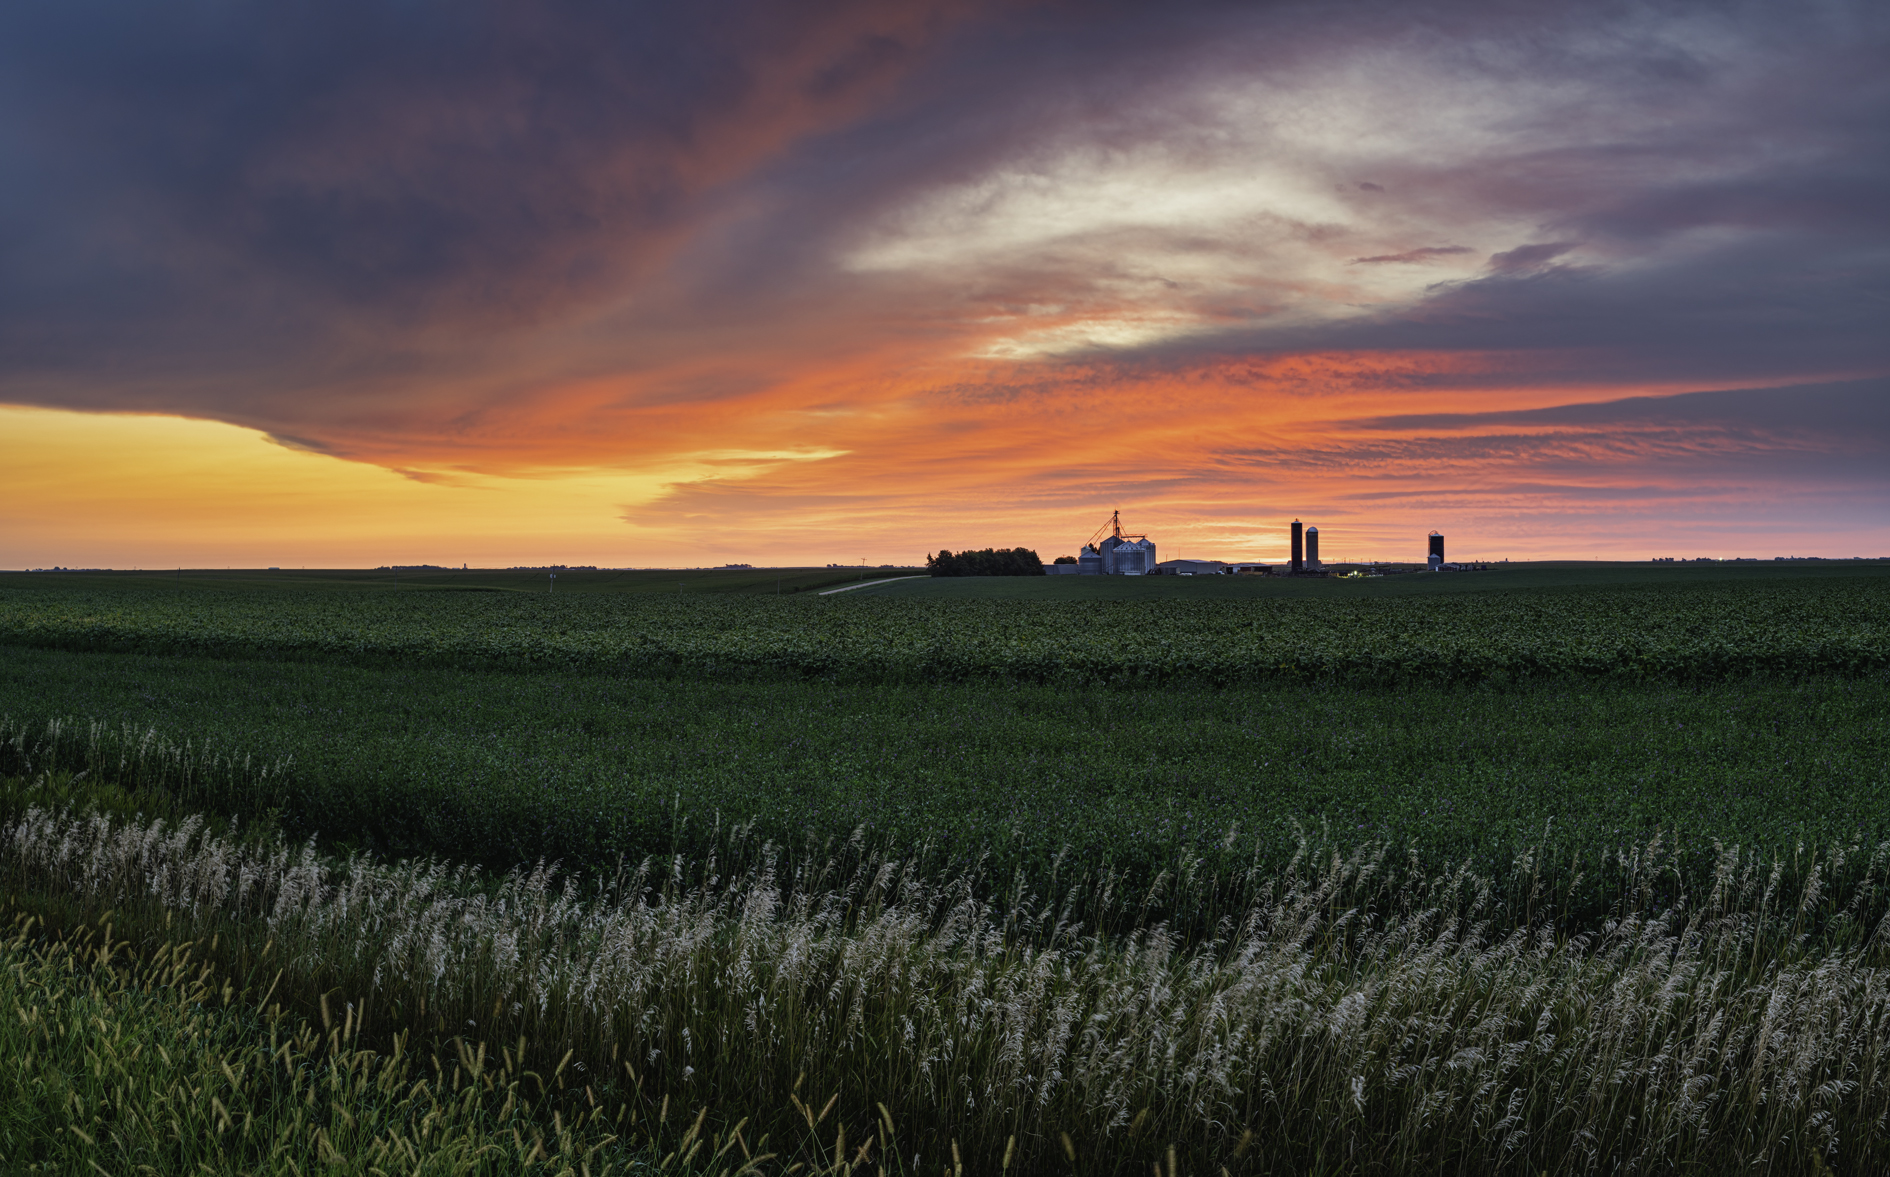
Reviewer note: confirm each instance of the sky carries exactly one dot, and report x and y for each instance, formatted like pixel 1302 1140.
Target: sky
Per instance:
pixel 606 282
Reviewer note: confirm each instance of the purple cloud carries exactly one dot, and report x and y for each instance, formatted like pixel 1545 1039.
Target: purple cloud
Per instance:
pixel 1525 259
pixel 1412 256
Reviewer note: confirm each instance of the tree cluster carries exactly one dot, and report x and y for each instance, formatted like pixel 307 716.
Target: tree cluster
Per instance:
pixel 989 562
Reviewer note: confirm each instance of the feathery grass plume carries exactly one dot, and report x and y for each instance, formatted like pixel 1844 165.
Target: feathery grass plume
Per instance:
pixel 1350 1011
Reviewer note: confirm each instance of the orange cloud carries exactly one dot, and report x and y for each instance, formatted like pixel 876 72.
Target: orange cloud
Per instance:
pixel 870 461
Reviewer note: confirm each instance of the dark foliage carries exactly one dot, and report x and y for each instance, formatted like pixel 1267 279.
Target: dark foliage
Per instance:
pixel 989 562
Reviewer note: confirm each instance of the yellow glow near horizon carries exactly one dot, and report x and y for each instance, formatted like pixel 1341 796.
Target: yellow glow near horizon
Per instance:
pixel 115 490
pixel 1208 469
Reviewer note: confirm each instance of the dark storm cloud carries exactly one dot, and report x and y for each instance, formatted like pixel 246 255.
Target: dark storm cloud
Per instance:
pixel 1852 408
pixel 1703 186
pixel 1795 302
pixel 293 214
pixel 209 185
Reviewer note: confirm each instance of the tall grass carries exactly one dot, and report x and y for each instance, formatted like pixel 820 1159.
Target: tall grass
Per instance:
pixel 466 768
pixel 143 766
pixel 112 1062
pixel 1349 1011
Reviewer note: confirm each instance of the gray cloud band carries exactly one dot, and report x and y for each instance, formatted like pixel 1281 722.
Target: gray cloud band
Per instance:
pixel 311 219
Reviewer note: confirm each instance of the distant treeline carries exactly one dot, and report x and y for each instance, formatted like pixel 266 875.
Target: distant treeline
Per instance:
pixel 990 562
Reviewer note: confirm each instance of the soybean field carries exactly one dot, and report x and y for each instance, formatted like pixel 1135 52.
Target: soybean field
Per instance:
pixel 1669 631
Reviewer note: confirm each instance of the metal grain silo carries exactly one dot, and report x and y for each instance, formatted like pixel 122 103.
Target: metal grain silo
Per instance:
pixel 1299 556
pixel 1312 547
pixel 1134 557
pixel 1112 553
pixel 1437 551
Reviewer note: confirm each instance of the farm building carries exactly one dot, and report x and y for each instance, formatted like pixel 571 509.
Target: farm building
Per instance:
pixel 1111 552
pixel 1193 567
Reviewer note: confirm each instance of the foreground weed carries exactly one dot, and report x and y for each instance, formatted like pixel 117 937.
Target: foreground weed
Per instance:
pixel 1355 1013
pixel 117 1062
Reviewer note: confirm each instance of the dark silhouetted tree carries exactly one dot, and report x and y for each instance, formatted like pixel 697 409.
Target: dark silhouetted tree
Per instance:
pixel 989 562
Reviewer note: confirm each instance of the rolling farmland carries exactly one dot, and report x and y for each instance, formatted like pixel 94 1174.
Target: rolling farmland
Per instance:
pixel 979 866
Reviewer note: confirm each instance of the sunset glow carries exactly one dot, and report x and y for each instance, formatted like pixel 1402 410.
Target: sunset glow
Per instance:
pixel 627 286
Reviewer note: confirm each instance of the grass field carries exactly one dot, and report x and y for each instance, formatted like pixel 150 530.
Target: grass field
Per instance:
pixel 1047 804
pixel 499 768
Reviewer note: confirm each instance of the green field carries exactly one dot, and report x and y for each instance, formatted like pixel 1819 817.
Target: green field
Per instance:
pixel 504 767
pixel 1654 625
pixel 499 727
pixel 1068 768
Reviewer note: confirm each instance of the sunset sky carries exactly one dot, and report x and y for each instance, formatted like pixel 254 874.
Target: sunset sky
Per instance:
pixel 440 281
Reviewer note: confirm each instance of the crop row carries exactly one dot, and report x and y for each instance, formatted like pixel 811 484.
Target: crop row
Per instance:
pixel 1665 633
